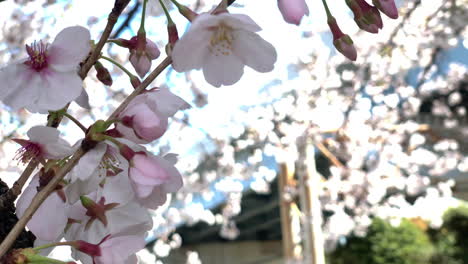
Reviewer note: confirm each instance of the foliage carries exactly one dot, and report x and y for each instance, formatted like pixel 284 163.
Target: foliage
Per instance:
pixel 386 244
pixel 451 240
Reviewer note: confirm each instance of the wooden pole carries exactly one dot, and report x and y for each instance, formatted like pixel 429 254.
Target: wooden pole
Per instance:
pixel 286 177
pixel 309 187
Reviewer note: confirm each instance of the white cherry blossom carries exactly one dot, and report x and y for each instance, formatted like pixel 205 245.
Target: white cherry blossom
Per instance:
pixel 44 143
pixel 48 79
pixel 221 45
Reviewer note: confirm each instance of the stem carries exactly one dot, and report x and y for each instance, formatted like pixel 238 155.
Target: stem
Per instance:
pixel 78 123
pixel 130 75
pixel 177 4
pixel 169 19
pixel 65 243
pixel 113 140
pixel 143 15
pixel 327 10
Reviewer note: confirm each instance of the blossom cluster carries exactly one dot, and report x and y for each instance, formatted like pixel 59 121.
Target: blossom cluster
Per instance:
pixel 100 206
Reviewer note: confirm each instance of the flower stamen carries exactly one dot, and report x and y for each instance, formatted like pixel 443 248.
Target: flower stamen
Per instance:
pixel 221 40
pixel 37 52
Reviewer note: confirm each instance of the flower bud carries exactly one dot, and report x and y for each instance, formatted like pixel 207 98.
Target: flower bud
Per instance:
pixel 387 7
pixel 367 17
pixel 102 74
pixel 141 55
pixel 293 10
pixel 342 42
pixel 145 120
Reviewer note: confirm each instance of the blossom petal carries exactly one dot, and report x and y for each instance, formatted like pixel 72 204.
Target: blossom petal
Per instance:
pixel 254 51
pixel 83 100
pixel 25 90
pixel 70 47
pixel 43 134
pixel 118 249
pixel 88 163
pixel 240 21
pixel 60 89
pixel 41 224
pixel 157 198
pixel 222 70
pixel 167 102
pixel 190 50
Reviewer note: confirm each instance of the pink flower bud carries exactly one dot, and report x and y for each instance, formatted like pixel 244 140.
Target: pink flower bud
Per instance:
pixel 342 42
pixel 153 177
pixel 142 122
pixel 293 10
pixel 142 55
pixel 387 7
pixel 367 17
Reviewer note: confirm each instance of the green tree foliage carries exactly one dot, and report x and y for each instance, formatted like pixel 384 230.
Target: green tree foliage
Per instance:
pixel 386 244
pixel 451 240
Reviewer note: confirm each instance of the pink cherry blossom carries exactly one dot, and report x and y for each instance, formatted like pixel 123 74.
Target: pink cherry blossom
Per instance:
pixel 44 143
pixel 221 45
pixel 142 52
pixel 293 10
pixel 146 118
pixel 141 59
pixel 48 79
pixel 153 177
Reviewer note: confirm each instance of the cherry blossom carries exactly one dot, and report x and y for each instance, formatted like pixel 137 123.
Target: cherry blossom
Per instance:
pixel 141 58
pixel 44 143
pixel 146 118
pixel 48 79
pixel 293 10
pixel 153 177
pixel 221 45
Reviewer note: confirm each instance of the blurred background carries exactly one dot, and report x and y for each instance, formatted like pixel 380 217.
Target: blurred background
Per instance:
pixel 322 160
